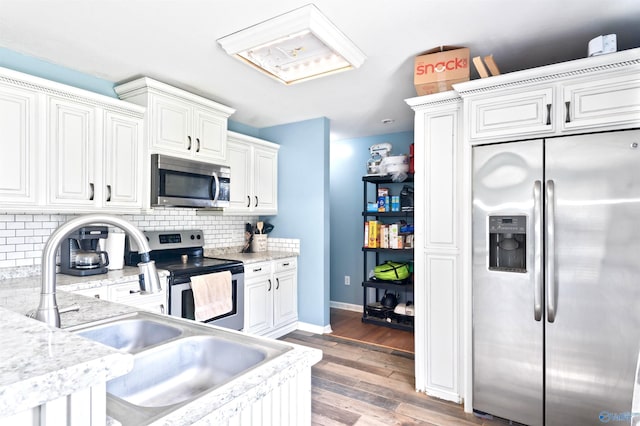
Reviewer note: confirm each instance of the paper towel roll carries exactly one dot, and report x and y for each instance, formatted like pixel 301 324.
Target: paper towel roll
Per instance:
pixel 114 246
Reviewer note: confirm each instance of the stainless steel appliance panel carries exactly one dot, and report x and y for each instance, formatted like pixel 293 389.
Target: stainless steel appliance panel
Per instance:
pixel 593 342
pixel 507 338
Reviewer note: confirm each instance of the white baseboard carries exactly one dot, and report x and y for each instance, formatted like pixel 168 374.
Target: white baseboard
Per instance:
pixel 315 329
pixel 345 306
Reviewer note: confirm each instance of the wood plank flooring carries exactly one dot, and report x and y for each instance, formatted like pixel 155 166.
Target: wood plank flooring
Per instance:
pixel 349 325
pixel 360 384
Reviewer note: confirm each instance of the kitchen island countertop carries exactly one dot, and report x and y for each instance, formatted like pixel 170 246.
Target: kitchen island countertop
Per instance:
pixel 39 363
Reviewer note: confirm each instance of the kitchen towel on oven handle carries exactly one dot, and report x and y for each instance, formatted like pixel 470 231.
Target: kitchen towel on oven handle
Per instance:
pixel 212 295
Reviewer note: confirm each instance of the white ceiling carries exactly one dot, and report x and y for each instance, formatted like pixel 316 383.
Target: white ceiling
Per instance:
pixel 174 41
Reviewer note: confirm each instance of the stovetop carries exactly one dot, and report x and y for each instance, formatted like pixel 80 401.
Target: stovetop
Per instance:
pixel 176 266
pixel 169 247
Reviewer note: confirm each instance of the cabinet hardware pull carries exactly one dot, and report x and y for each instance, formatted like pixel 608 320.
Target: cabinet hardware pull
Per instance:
pixel 548 114
pixel 108 192
pixel 269 289
pixel 256 200
pixel 277 283
pixel 248 201
pixel 96 296
pixel 285 264
pixel 198 145
pixel 162 308
pixel 567 106
pixel 189 146
pixel 257 270
pixel 91 190
pixel 134 291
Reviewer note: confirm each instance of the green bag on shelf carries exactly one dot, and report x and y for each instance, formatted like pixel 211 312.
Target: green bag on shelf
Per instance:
pixel 391 271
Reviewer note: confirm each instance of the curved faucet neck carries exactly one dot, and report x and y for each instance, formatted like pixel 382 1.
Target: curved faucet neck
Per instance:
pixel 48 310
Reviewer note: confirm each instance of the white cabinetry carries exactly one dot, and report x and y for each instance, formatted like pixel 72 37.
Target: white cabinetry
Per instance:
pixel 67 149
pixel 258 291
pixel 180 123
pixel 71 149
pixel 438 183
pixel 271 297
pixel 601 92
pixel 19 168
pixel 128 293
pixel 606 100
pixel 123 138
pixel 185 129
pixel 527 112
pixel 254 175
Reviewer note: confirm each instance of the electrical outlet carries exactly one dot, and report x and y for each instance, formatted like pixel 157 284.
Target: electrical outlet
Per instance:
pixel 347 280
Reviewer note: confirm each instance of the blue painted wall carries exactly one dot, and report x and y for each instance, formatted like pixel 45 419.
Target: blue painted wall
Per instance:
pixel 348 165
pixel 39 68
pixel 303 209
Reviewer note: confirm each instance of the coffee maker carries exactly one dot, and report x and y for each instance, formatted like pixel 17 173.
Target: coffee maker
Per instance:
pixel 80 254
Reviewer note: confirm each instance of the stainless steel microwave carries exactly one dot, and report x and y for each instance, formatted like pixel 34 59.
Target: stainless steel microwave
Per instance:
pixel 179 182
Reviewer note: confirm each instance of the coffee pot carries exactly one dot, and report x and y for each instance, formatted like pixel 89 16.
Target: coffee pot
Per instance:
pixel 79 252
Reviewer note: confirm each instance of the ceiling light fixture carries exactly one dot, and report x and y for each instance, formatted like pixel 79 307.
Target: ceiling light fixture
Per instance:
pixel 294 47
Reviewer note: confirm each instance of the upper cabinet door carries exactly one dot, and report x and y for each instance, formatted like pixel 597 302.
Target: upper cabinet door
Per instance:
pixel 597 102
pixel 265 180
pixel 210 132
pixel 526 113
pixel 71 144
pixel 171 126
pixel 239 160
pixel 123 140
pixel 18 166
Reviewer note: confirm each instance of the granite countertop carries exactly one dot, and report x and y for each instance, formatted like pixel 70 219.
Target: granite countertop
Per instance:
pixel 248 258
pixel 39 363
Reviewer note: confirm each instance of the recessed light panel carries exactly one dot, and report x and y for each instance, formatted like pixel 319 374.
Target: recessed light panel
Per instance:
pixel 294 47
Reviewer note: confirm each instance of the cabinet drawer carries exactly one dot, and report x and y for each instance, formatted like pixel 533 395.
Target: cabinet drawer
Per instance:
pixel 516 114
pixel 253 270
pixel 609 101
pixel 285 264
pixel 129 293
pixel 96 292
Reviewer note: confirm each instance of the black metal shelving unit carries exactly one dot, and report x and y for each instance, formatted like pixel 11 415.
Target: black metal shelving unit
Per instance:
pixel 373 312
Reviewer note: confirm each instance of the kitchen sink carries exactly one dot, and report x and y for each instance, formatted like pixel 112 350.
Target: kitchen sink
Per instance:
pixel 131 335
pixel 175 361
pixel 183 369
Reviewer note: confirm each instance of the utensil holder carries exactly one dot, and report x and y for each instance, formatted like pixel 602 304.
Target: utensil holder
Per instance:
pixel 259 243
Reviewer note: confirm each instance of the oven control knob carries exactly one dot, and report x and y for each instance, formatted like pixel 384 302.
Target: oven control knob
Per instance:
pixel 193 237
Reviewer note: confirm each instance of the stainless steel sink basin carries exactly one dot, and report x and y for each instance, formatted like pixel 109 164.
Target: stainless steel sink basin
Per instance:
pixel 131 335
pixel 183 369
pixel 175 362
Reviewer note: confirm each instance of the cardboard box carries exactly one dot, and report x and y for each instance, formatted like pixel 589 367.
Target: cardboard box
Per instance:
pixel 438 69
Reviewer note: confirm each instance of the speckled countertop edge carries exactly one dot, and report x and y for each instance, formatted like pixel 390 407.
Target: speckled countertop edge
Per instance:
pixel 39 363
pixel 21 295
pixel 249 258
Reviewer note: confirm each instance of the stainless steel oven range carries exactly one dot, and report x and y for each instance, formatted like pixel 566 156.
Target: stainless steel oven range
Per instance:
pixel 182 254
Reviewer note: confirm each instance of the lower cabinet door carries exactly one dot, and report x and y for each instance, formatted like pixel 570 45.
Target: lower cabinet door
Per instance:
pixel 258 311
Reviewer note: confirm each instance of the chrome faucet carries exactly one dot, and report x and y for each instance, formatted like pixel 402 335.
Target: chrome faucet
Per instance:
pixel 48 311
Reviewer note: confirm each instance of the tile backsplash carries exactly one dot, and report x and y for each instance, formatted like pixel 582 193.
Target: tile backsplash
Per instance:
pixel 23 235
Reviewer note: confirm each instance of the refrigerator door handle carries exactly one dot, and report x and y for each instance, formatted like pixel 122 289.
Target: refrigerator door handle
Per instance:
pixel 551 251
pixel 538 244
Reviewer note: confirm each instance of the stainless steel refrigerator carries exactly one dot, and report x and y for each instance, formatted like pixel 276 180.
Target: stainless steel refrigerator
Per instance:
pixel 556 278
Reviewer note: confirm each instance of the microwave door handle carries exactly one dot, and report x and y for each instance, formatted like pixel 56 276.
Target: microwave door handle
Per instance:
pixel 215 187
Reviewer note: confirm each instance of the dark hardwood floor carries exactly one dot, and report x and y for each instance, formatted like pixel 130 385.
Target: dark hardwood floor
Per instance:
pixel 348 324
pixel 363 384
